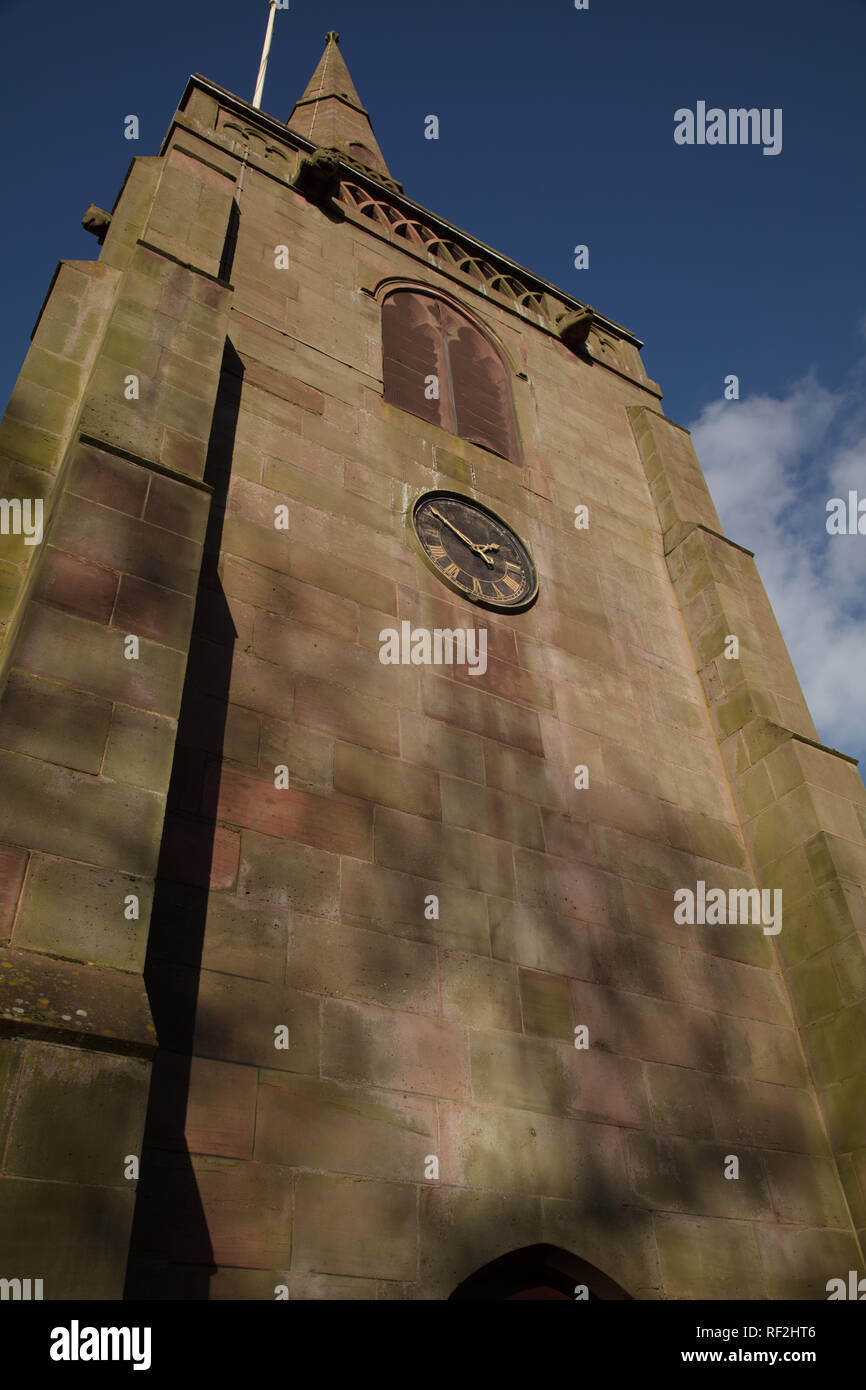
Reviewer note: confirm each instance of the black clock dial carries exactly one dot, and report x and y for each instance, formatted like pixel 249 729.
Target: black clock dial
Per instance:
pixel 474 551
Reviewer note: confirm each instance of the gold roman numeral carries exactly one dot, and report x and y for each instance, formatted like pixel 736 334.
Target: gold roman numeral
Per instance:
pixel 511 584
pixel 438 552
pixel 476 588
pixel 451 570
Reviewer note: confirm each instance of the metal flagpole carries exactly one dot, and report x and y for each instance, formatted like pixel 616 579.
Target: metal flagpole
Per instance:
pixel 263 66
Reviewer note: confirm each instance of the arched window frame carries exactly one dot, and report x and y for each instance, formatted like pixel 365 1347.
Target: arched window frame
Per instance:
pixel 388 288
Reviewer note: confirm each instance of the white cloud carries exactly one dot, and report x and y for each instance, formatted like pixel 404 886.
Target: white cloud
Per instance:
pixel 772 465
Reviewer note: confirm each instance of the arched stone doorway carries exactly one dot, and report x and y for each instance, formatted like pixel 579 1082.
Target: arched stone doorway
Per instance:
pixel 538 1272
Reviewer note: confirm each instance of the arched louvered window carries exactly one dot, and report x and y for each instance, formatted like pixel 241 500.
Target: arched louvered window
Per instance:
pixel 362 154
pixel 439 366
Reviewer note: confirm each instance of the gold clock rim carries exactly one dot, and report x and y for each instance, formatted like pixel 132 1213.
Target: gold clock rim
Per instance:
pixel 489 604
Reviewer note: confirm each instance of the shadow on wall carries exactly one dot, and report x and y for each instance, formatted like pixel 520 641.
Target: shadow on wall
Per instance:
pixel 597 924
pixel 171 1256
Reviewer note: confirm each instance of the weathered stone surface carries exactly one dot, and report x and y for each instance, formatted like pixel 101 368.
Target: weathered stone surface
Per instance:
pixel 704 1258
pixel 405 905
pixel 52 722
pixel 305 1122
pixel 78 912
pixel 352 1226
pixel 525 1152
pixel 66 1002
pixel 405 1052
pixel 368 966
pixel 90 1263
pixel 433 906
pixel 68 1102
pixel 479 992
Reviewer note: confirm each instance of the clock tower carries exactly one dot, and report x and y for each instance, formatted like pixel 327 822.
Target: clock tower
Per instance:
pixel 329 977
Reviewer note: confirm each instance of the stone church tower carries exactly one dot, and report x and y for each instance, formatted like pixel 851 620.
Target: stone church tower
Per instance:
pixel 326 973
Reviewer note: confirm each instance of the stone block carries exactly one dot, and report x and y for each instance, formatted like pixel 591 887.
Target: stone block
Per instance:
pixel 430 850
pixel 479 992
pixel 238 939
pixel 689 1176
pixel 306 1122
pixel 65 648
pixel 546 1004
pixel 216 1102
pixel 434 745
pixel 364 773
pixel 346 715
pixel 522 1073
pixel 196 852
pixel 52 722
pixel 352 1226
pixel 113 482
pixel 565 888
pixel 799 1263
pixel 539 940
pixel 149 610
pixel 326 822
pixel 13 863
pixel 404 1052
pixel 95 1222
pixel 479 713
pixel 528 775
pixel 679 1101
pixel 140 749
pixel 76 817
pixel 805 1189
pixel 278 874
pixel 123 543
pixel 77 912
pixel 835 1044
pixel 656 1030
pixel 76 586
pixel 370 967
pixel 399 903
pixel 705 1258
pixel 523 1152
pixel 11 1058
pixel 236 1020
pixel 78 1116
pixel 491 813
pixel 177 507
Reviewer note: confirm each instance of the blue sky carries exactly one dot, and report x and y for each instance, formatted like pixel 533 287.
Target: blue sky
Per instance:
pixel 556 128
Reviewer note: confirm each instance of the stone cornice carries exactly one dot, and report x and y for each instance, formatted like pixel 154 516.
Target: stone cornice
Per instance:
pixel 412 211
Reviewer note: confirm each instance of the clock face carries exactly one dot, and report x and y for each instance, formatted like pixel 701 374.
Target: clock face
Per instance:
pixel 474 551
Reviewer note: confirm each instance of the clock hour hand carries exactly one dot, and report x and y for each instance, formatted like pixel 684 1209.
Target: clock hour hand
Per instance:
pixel 479 549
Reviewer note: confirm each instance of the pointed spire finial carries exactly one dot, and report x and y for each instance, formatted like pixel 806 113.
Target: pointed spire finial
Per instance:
pixel 330 112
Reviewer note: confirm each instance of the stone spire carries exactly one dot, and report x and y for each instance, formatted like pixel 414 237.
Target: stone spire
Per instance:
pixel 330 111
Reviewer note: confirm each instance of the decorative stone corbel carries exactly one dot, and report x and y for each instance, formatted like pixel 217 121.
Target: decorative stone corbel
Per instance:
pixel 573 327
pixel 97 222
pixel 318 177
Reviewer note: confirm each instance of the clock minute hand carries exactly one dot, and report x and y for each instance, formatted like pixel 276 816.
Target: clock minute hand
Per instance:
pixel 463 538
pixel 479 549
